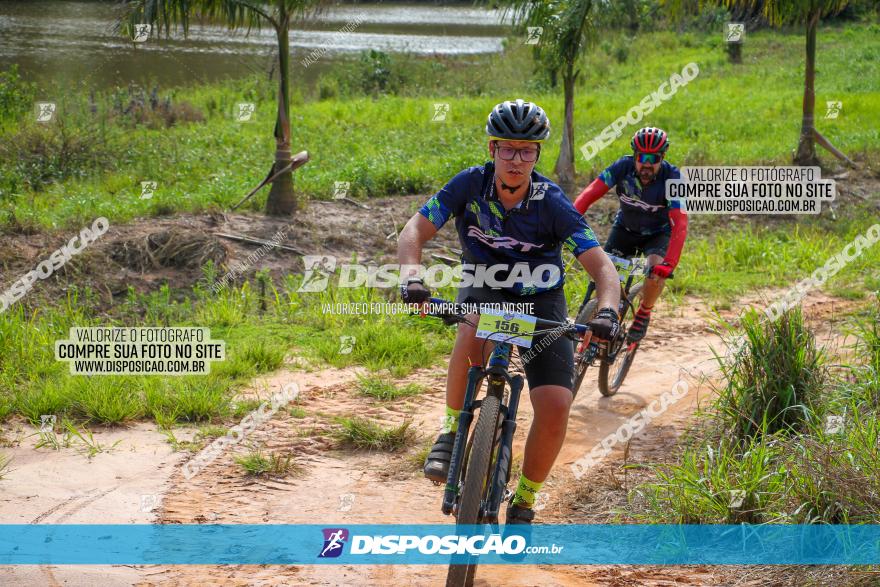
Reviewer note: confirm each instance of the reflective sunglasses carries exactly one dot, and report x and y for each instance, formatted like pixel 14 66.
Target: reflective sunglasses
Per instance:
pixel 649 158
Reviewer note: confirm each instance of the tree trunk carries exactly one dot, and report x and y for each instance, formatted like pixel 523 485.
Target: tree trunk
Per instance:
pixel 282 201
pixel 632 10
pixel 806 150
pixel 734 52
pixel 564 169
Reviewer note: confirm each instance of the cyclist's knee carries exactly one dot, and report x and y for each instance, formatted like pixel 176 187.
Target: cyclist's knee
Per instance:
pixel 653 259
pixel 467 330
pixel 552 401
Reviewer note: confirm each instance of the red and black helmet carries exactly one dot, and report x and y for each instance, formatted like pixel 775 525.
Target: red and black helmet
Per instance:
pixel 650 140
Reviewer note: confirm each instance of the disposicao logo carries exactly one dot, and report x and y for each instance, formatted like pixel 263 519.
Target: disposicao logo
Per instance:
pixel 334 540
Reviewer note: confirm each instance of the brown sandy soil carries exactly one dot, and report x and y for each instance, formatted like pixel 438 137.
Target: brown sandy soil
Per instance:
pixel 64 486
pixel 337 485
pixel 388 488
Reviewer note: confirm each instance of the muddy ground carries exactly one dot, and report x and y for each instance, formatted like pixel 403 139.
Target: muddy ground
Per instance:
pixel 341 228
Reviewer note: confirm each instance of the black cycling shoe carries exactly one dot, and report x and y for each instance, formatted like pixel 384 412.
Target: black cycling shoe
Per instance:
pixel 639 327
pixel 437 464
pixel 518 523
pixel 518 514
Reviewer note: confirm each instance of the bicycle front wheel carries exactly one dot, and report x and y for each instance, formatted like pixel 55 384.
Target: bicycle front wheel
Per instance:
pixel 476 481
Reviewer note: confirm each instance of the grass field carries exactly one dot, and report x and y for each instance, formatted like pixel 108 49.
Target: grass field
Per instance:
pixel 386 143
pixel 84 165
pixel 34 383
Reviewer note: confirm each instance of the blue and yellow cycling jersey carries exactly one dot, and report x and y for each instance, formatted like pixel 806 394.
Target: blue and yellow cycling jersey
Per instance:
pixel 644 209
pixel 533 233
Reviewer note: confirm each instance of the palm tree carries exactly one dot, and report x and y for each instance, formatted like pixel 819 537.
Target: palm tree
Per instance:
pixel 567 33
pixel 789 12
pixel 238 14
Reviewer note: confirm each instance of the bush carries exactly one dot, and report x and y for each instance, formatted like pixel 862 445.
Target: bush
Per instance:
pixel 774 379
pixel 375 72
pixel 621 51
pixel 16 95
pixel 134 107
pixel 826 473
pixel 39 154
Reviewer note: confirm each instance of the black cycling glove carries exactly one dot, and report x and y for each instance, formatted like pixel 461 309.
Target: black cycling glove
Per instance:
pixel 414 292
pixel 605 325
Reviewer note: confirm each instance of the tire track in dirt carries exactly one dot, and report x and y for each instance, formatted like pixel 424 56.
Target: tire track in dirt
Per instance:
pixel 79 502
pixel 388 487
pixel 338 486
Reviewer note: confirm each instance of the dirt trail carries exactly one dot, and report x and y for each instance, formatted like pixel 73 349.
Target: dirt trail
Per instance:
pixel 340 486
pixel 387 488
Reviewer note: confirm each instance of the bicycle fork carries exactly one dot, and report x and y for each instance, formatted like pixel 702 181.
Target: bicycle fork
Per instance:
pixel 499 478
pixel 450 494
pixel 501 466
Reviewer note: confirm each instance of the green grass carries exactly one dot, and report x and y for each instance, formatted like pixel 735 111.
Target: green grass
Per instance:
pixel 242 408
pixel 211 431
pixel 746 258
pixel 730 114
pixel 824 471
pixel 363 433
pixel 775 380
pixel 272 465
pixel 80 437
pixel 255 342
pixel 384 389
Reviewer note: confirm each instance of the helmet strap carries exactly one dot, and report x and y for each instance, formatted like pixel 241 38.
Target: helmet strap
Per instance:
pixel 510 188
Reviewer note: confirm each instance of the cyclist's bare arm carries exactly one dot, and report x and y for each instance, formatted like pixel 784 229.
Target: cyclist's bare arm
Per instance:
pixel 413 237
pixel 602 272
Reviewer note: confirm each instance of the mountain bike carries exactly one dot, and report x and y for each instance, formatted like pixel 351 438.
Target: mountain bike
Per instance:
pixel 480 465
pixel 616 357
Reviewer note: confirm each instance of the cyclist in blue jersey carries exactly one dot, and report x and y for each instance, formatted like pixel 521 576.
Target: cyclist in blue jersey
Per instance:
pixel 512 223
pixel 646 223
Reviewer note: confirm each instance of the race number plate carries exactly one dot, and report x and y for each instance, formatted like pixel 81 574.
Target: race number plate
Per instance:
pixel 622 266
pixel 511 327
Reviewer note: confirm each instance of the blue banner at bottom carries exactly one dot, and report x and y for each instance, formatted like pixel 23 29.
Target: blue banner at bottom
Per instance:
pixel 172 544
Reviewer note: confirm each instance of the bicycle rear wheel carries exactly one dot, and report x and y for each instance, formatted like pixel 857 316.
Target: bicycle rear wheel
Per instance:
pixel 611 376
pixel 476 481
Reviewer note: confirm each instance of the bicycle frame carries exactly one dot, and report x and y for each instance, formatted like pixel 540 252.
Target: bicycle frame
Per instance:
pixel 625 303
pixel 624 290
pixel 497 375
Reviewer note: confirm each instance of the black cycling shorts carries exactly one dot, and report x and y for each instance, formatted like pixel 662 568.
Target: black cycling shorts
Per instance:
pixel 552 364
pixel 627 244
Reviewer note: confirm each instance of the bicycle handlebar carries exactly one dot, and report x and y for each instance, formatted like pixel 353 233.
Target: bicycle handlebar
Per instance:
pixel 540 323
